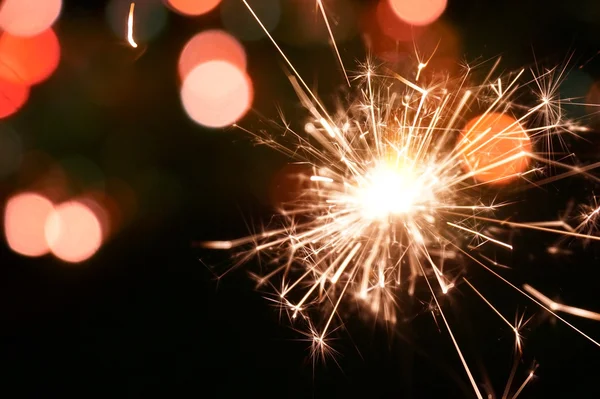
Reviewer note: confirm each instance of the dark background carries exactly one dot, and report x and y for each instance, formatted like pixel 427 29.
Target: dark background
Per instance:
pixel 146 316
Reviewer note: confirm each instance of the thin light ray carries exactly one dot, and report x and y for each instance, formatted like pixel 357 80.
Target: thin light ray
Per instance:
pixel 334 44
pixel 559 307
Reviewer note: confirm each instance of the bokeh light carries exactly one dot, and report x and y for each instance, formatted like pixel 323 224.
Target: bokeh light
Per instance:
pixel 25 215
pixel 216 94
pixel 193 7
pixel 149 18
pixel 421 12
pixel 12 97
pixel 393 26
pixel 73 232
pixel 489 149
pixel 28 17
pixel 29 60
pixel 237 19
pixel 208 46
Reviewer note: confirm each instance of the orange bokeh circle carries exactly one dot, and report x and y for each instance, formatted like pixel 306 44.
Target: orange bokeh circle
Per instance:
pixel 418 12
pixel 12 97
pixel 28 17
pixel 208 46
pixel 25 215
pixel 216 94
pixel 193 7
pixel 29 60
pixel 495 148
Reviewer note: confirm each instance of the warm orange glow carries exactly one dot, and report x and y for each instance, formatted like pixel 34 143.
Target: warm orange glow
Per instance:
pixel 211 45
pixel 489 148
pixel 12 97
pixel 421 12
pixel 393 26
pixel 193 7
pixel 216 94
pixel 28 17
pixel 73 232
pixel 24 217
pixel 29 60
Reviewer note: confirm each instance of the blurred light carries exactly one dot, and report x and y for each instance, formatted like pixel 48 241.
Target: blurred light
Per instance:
pixel 490 149
pixel 73 232
pixel 237 19
pixel 149 19
pixel 29 60
pixel 211 45
pixel 216 94
pixel 25 215
pixel 421 12
pixel 11 150
pixel 28 17
pixel 193 7
pixel 393 26
pixel 12 97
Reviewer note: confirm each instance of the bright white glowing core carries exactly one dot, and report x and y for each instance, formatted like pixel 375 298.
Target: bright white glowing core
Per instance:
pixel 389 191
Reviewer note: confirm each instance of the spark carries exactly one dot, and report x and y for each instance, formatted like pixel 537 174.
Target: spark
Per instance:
pixel 337 51
pixel 130 26
pixel 527 380
pixel 559 307
pixel 321 178
pixel 396 193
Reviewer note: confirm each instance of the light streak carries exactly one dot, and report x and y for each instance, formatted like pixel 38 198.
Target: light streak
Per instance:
pixel 390 201
pixel 130 26
pixel 559 307
pixel 527 380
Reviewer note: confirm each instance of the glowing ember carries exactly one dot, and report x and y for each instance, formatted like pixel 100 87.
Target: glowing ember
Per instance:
pixel 389 191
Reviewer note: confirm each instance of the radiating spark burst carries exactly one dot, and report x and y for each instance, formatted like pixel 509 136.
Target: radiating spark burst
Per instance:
pixel 400 193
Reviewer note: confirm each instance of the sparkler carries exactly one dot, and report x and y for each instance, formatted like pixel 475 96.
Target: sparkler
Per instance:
pixel 401 191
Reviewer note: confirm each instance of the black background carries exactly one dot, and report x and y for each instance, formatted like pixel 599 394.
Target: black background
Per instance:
pixel 147 317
